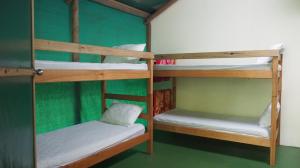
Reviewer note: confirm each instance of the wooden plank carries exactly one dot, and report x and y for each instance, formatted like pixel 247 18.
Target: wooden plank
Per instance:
pixel 145 116
pixel 103 97
pixel 246 139
pixel 88 49
pixel 173 93
pixel 150 107
pixel 126 97
pixel 160 10
pixel 265 74
pixel 149 39
pixel 75 27
pixel 227 54
pixel 123 7
pixel 274 114
pixel 90 75
pixel 109 152
pixel 6 72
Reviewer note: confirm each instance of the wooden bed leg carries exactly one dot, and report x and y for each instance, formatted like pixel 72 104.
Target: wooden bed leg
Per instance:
pixel 273 154
pixel 150 108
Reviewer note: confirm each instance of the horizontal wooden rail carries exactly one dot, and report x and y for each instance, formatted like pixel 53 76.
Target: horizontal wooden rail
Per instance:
pixel 88 49
pixel 123 7
pixel 89 75
pixel 260 74
pixel 6 72
pixel 126 97
pixel 144 116
pixel 227 54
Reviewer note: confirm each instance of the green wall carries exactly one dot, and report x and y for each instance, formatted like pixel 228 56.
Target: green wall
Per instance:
pixel 56 103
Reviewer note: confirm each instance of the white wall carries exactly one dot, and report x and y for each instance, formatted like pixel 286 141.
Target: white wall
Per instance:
pixel 218 25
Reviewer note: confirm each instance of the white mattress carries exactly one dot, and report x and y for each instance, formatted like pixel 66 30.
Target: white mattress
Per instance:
pixel 66 145
pixel 39 64
pixel 217 122
pixel 213 67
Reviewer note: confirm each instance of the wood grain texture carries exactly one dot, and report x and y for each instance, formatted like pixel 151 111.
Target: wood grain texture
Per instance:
pixel 126 97
pixel 75 27
pixel 227 54
pixel 88 49
pixel 160 10
pixel 6 72
pixel 265 74
pixel 259 141
pixel 90 75
pixel 107 153
pixel 150 107
pixel 123 7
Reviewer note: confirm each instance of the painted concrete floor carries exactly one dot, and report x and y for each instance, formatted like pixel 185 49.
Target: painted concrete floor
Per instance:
pixel 182 151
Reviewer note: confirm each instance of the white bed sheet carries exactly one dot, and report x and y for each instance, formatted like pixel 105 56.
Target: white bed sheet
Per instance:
pixel 39 64
pixel 216 122
pixel 58 148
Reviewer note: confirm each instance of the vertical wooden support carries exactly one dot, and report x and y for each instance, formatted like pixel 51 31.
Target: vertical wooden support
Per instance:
pixel 148 27
pixel 75 27
pixel 279 97
pixel 103 98
pixel 150 107
pixel 173 93
pixel 274 114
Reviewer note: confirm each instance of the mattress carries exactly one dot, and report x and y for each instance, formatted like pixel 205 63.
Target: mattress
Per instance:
pixel 214 67
pixel 39 64
pixel 58 148
pixel 214 122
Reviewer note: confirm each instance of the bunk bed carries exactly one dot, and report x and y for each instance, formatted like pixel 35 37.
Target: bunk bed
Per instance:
pixel 229 128
pixel 89 143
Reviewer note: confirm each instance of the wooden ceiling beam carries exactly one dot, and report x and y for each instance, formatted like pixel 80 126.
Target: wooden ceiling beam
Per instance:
pixel 123 7
pixel 160 10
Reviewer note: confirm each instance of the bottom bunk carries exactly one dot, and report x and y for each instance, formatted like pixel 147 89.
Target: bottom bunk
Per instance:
pixel 224 127
pixel 86 143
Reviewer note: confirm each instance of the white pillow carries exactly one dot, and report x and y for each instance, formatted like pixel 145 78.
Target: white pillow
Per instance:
pixel 117 59
pixel 122 114
pixel 265 118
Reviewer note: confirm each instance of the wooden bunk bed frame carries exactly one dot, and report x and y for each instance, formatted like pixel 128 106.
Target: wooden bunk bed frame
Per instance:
pixel 273 74
pixel 88 75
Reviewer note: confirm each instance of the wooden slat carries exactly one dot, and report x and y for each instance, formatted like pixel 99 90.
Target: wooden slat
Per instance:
pixel 123 7
pixel 214 73
pixel 88 49
pixel 150 107
pixel 5 72
pixel 227 54
pixel 126 97
pixel 90 75
pixel 160 10
pixel 259 141
pixel 103 94
pixel 107 153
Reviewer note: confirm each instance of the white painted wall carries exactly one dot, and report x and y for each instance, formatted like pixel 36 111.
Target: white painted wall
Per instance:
pixel 218 25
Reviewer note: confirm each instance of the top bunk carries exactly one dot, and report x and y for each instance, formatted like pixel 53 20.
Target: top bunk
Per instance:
pixel 246 64
pixel 58 71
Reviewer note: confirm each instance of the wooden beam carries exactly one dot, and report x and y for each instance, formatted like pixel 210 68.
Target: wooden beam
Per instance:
pixel 75 27
pixel 160 10
pixel 149 40
pixel 88 49
pixel 126 97
pixel 6 72
pixel 259 74
pixel 123 7
pixel 221 135
pixel 227 54
pixel 90 75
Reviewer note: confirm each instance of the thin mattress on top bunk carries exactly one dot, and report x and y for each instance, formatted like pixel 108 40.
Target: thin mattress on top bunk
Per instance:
pixel 61 65
pixel 60 147
pixel 214 122
pixel 214 67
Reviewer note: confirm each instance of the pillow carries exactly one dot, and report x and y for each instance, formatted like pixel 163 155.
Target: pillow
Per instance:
pixel 117 59
pixel 265 118
pixel 122 114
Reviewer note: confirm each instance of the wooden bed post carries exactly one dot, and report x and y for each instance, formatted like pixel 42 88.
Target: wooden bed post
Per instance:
pixel 150 107
pixel 103 91
pixel 173 92
pixel 279 97
pixel 274 115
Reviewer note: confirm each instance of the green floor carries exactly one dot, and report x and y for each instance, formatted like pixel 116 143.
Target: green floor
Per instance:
pixel 181 151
